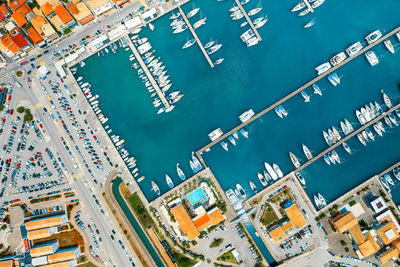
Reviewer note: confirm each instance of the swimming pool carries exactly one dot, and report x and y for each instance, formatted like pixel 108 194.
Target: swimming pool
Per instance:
pixel 196 196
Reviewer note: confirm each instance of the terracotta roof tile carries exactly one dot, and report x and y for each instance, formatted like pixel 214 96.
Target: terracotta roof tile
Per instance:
pixel 19 40
pixel 63 14
pixel 19 18
pixel 34 36
pixel 47 9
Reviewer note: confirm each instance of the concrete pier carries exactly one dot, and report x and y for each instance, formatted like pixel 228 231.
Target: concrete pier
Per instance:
pixel 248 20
pixel 196 37
pixel 292 94
pixel 148 73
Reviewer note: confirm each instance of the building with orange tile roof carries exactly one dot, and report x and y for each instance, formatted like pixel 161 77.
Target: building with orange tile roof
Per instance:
pixel 63 14
pixel 15 4
pixel 64 255
pixel 294 215
pixel 202 222
pixel 386 255
pixel 7 263
pixel 19 18
pixel 216 216
pixel 44 249
pixel 34 36
pixel 47 9
pixel 40 233
pixel 186 225
pixel 4 12
pixel 80 12
pixel 99 7
pixel 7 45
pixel 52 221
pixel 387 232
pixel 368 247
pixel 43 28
pixel 344 221
pixel 276 233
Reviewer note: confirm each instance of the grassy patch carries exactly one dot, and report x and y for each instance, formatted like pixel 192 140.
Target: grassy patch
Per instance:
pixel 140 210
pixel 228 257
pixel 268 217
pixel 216 242
pixel 87 264
pixel 182 260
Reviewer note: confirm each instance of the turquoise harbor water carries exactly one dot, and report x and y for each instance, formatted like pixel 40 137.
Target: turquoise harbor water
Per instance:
pixel 255 78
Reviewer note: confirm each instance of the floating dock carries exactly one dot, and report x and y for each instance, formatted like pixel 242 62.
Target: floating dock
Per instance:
pixel 248 20
pixel 148 73
pixel 292 94
pixel 196 37
pixel 309 6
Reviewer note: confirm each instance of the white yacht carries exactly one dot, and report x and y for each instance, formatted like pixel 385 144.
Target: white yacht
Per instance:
pixel 252 41
pixel 189 43
pixel 323 68
pixel 192 12
pixel 294 160
pixel 307 152
pixel 245 116
pixel 241 191
pixel 277 170
pixel 346 147
pixel 247 35
pixel 386 100
pixel 197 24
pixel 155 188
pixel 373 36
pixel 301 178
pixel 304 12
pixel 299 6
pixel 253 187
pixel 262 179
pixel 372 58
pixel 389 46
pixel 214 135
pixel 354 49
pixel 336 60
pixel 317 3
pixel 218 61
pixel 214 49
pixel 271 171
pixel 254 11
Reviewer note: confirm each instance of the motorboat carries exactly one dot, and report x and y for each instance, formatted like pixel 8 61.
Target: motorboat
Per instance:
pixel 151 26
pixel 384 183
pixel 258 20
pixel 336 156
pixel 244 23
pixel 349 126
pixel 214 135
pixel 389 46
pixel 235 134
pixel 247 35
pixel 396 173
pixel 388 122
pixel 386 100
pixel 196 162
pixel 393 119
pixel 388 179
pixel 317 3
pixel 238 16
pixel 360 117
pixel 271 171
pixel 261 23
pixel 254 11
pixel 176 99
pixel 345 130
pixel 301 178
pixel 299 6
pixel 244 133
pixel 180 172
pixel 246 115
pixel 283 111
pixel 332 80
pixel 317 202
pixel 262 179
pixel 336 60
pixel 252 41
pixel 181 29
pixel 224 145
pixel 243 2
pixel 322 200
pixel 189 43
pixel 327 161
pixel 175 15
pixel 346 147
pixel 278 112
pixel 328 138
pixel 209 44
pixel 294 160
pixel 398 36
pixel 378 108
pixel 397 111
pixel 377 129
pixel 253 187
pixel 335 77
pixel 277 170
pixel 310 24
pixel 218 61
pixel 214 49
pixel 305 96
pixel 354 49
pixel 155 188
pixel 267 176
pixel 241 191
pixel 234 8
pixel 192 12
pixel 372 58
pixel 323 68
pixel 161 110
pixel 193 166
pixel 200 22
pixel 307 152
pixel 173 94
pixel 304 12
pixel 336 134
pixel 373 36
pixel 317 91
pixel 380 125
pixel 232 140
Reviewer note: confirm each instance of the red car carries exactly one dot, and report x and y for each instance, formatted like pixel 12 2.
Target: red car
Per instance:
pixel 12 110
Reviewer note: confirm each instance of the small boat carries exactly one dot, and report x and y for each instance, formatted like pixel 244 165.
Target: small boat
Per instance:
pixel 398 36
pixel 232 140
pixel 344 128
pixel 377 129
pixel 393 119
pixel 299 6
pixel 224 145
pixel 234 8
pixel 209 44
pixel 214 49
pixel 397 113
pixel 258 20
pixel 262 179
pixel 169 181
pixel 243 2
pixel 245 116
pixel 180 172
pixel 304 12
pixel 244 133
pixel 271 171
pixel 218 61
pixel 388 179
pixel 373 37
pixel 173 94
pixel 328 138
pixel 322 200
pixel 388 122
pixel 253 187
pixel 396 173
pixel 301 178
pixel 175 99
pixel 197 24
pixel 317 202
pixel 317 91
pixel 241 191
pixel 214 135
pixel 354 49
pixel 278 112
pixel 336 77
pixel 194 169
pixel 346 147
pixel 389 46
pixel 327 160
pixel 384 183
pixel 175 15
pixel 372 58
pixel 317 3
pixel 151 26
pixel 196 162
pixel 267 176
pixel 332 80
pixel 294 160
pixel 277 170
pixel 235 134
pixel 155 188
pixel 192 12
pixel 161 110
pixel 254 11
pixel 283 111
pixel 336 134
pixel 336 60
pixel 307 152
pixel 336 156
pixel 261 23
pixel 305 96
pixel 243 24
pixel 310 24
pixel 238 16
pixel 323 68
pixel 380 125
pixel 189 43
pixel 386 100
pixel 181 29
pixel 365 136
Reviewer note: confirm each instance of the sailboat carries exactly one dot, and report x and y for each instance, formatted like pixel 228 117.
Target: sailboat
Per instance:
pixel 310 24
pixel 386 99
pixel 307 152
pixel 317 91
pixel 194 169
pixel 305 96
pixel 346 147
pixel 224 145
pixel 294 160
pixel 262 179
pixel 180 172
pixel 244 133
pixel 196 162
pixel 327 161
pixel 169 181
pixel 155 188
pixel 253 187
pixel 235 134
pixel 267 176
pixel 322 200
pixel 232 140
pixel 192 12
pixel 301 178
pixel 271 171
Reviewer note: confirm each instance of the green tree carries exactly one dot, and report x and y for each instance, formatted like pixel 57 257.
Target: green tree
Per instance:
pixel 216 242
pixel 67 30
pixel 20 109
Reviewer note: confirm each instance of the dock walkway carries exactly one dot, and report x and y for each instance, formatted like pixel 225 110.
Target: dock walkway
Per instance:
pixel 292 94
pixel 147 72
pixel 196 37
pixel 248 20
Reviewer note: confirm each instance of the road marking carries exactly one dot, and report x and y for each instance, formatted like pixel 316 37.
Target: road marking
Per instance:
pixel 40 59
pixel 38 105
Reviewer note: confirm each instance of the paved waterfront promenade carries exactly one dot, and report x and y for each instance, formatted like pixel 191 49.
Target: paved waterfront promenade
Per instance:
pixel 273 106
pixel 196 37
pixel 248 20
pixel 147 72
